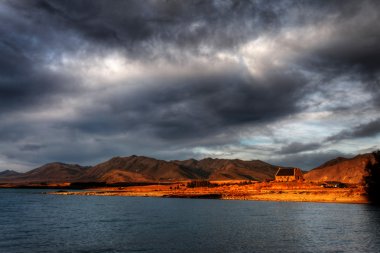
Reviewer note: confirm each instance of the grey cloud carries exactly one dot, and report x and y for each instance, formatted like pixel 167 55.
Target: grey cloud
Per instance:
pixel 354 38
pixel 298 147
pixel 31 147
pixel 25 80
pixel 190 25
pixel 353 48
pixel 176 115
pixel 370 129
pixel 197 107
pixel 11 132
pixel 307 161
pixel 137 26
pixel 348 47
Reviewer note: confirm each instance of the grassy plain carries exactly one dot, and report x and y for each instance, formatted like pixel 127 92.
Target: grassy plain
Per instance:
pixel 237 190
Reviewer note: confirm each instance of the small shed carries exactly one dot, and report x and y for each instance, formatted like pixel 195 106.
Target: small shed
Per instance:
pixel 287 175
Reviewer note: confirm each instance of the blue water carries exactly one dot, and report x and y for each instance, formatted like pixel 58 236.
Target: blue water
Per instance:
pixel 33 222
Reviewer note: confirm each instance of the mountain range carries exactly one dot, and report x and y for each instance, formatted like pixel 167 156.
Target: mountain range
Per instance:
pixel 146 169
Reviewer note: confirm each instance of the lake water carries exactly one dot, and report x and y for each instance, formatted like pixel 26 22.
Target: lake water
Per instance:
pixel 33 222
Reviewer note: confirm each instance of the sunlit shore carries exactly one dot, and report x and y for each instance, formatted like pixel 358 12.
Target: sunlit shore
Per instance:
pixel 273 191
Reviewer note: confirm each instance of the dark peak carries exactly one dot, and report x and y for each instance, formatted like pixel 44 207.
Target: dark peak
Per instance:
pixel 61 164
pixel 257 161
pixel 340 159
pixel 144 158
pixel 186 160
pixel 132 158
pixel 54 163
pixel 56 166
pixel 332 162
pixel 363 156
pixel 115 158
pixel 210 159
pixel 135 156
pixel 9 173
pixel 121 159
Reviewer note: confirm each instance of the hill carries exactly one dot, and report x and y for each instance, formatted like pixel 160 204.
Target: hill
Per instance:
pixel 146 169
pixel 225 169
pixel 341 169
pixel 140 168
pixel 51 172
pixel 8 173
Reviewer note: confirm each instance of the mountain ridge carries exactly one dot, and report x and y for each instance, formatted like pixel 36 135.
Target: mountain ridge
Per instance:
pixel 146 169
pixel 345 170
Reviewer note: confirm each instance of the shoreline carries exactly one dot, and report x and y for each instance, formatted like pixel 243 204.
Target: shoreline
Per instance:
pixel 273 192
pixel 264 197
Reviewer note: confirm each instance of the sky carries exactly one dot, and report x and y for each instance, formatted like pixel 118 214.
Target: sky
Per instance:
pixel 292 83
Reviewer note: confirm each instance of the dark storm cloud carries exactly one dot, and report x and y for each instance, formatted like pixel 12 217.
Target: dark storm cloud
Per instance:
pixel 370 129
pixel 30 90
pixel 297 147
pixel 138 26
pixel 25 81
pixel 179 113
pixel 355 42
pixel 353 47
pixel 196 107
pixel 40 30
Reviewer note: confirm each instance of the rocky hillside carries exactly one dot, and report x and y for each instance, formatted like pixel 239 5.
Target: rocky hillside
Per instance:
pixel 341 169
pixel 224 169
pixel 139 168
pixel 145 169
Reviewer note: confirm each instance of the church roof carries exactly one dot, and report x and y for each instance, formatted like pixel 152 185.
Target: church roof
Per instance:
pixel 285 172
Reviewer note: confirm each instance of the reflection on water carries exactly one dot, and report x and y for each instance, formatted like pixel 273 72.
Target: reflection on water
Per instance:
pixel 53 223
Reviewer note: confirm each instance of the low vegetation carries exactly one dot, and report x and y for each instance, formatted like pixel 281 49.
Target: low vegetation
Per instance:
pixel 201 183
pixel 373 179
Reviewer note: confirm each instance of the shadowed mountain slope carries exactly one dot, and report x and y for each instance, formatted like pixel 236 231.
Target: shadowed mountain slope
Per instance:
pixel 8 173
